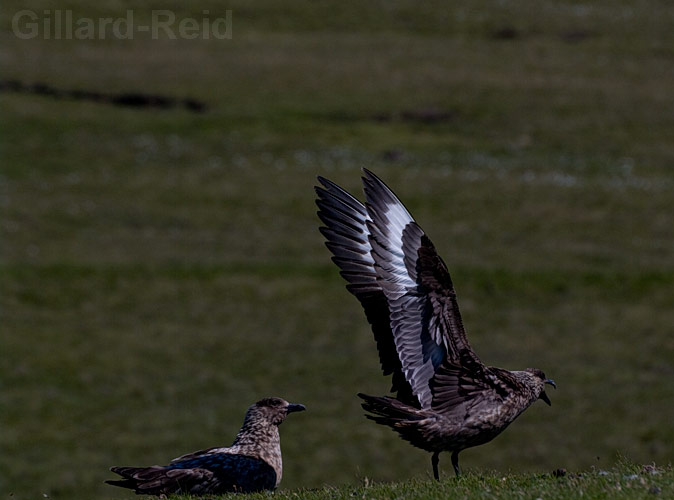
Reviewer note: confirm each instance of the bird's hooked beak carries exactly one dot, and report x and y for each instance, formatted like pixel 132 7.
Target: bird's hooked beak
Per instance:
pixel 293 407
pixel 543 395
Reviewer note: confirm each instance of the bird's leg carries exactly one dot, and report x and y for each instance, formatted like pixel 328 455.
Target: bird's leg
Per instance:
pixel 434 460
pixel 455 463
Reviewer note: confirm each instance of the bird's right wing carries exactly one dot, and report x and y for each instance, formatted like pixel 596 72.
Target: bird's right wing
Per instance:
pixel 347 236
pixel 424 312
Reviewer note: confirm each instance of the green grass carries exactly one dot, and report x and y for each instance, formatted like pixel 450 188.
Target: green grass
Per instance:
pixel 161 270
pixel 624 482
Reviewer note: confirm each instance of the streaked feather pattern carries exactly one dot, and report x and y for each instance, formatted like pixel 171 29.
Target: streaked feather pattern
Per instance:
pixel 252 463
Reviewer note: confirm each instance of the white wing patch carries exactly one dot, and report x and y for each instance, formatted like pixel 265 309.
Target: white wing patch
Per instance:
pixel 395 239
pixel 388 220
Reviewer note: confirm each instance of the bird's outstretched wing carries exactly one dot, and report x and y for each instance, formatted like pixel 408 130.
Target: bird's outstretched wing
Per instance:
pixel 404 286
pixel 424 313
pixel 347 236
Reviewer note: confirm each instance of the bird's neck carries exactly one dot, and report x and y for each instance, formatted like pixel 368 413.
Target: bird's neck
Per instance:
pixel 262 441
pixel 257 435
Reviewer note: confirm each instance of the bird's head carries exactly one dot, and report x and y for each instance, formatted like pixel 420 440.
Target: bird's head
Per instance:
pixel 539 380
pixel 272 410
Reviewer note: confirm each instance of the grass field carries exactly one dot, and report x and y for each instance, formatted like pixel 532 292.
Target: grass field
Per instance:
pixel 625 482
pixel 160 270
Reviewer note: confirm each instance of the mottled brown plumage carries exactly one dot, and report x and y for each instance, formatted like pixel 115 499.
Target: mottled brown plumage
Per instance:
pixel 446 399
pixel 252 463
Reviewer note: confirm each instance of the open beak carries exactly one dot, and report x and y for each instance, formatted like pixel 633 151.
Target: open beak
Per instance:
pixel 293 407
pixel 543 395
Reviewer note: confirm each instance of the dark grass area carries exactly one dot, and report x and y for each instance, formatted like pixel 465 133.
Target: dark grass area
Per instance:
pixel 161 270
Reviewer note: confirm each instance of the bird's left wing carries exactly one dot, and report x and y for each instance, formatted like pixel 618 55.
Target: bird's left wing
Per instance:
pixel 241 473
pixel 462 389
pixel 196 454
pixel 424 312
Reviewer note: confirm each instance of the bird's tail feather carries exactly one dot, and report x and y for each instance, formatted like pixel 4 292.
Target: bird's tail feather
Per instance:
pixel 409 422
pixel 123 483
pixel 127 472
pixel 387 410
pixel 154 480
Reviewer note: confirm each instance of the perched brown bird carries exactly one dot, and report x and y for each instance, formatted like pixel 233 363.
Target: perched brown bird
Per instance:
pixel 446 398
pixel 252 463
